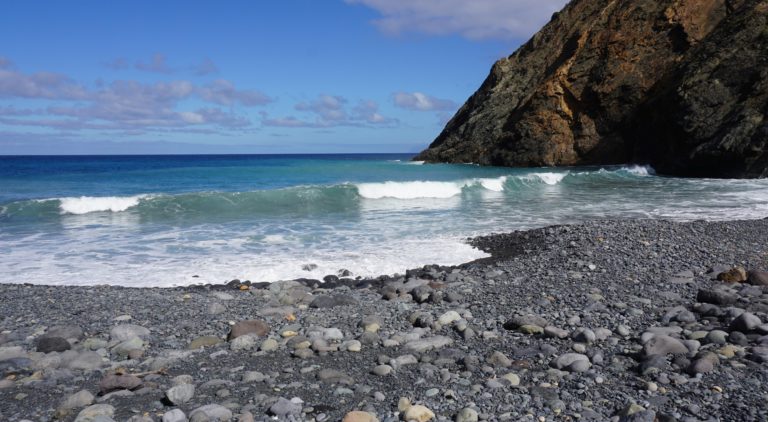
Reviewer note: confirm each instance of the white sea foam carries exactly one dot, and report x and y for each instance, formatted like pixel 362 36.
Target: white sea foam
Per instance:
pixel 217 262
pixel 274 238
pixel 550 178
pixel 409 190
pixel 640 170
pixel 87 204
pixel 425 189
pixel 496 185
pixel 415 163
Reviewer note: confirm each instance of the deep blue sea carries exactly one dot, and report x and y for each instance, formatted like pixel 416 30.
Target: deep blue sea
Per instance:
pixel 177 220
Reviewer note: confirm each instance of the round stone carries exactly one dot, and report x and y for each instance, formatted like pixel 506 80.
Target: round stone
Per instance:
pixel 448 318
pixel 180 394
pixel 514 379
pixel 419 413
pixel 52 344
pixel 467 414
pixel 358 416
pixel 382 370
pixel 269 345
pixel 530 329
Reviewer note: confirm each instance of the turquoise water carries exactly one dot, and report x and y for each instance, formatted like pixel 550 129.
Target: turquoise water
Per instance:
pixel 176 220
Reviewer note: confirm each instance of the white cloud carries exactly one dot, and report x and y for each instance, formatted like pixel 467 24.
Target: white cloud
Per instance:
pixel 48 85
pixel 5 63
pixel 473 19
pixel 368 111
pixel 224 93
pixel 158 64
pixel 422 102
pixel 331 111
pixel 329 108
pixel 122 105
pixel 119 63
pixel 288 121
pixel 206 67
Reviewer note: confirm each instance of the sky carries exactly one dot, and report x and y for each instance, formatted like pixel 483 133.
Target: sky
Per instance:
pixel 288 76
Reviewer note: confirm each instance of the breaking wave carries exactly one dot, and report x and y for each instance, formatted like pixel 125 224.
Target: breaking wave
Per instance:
pixel 299 199
pixel 87 204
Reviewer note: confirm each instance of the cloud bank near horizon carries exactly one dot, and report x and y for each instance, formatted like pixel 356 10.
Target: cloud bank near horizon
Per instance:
pixel 128 106
pixel 328 111
pixel 132 108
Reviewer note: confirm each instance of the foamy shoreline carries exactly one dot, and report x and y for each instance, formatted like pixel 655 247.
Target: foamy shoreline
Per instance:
pixel 496 336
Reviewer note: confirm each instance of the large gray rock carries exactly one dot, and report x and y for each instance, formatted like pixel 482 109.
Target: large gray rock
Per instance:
pixel 86 361
pixel 325 301
pixel 664 345
pixel 334 376
pixel 175 415
pixel 180 394
pixel 703 364
pixel 69 332
pixel 283 408
pixel 253 376
pixel 125 332
pixel 467 415
pixel 499 359
pixel 717 296
pixel 124 348
pixel 74 401
pixel 246 342
pixel 52 344
pixel 95 412
pixel 572 362
pixel 427 344
pixel 530 319
pixel 584 335
pixel 745 322
pixel 210 413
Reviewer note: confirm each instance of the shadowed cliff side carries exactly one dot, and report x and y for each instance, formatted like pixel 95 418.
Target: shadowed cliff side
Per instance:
pixel 574 93
pixel 708 118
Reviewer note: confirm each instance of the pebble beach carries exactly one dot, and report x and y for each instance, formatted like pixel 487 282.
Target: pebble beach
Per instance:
pixel 619 320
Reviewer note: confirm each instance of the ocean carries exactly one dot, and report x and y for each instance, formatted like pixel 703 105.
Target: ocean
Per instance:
pixel 187 219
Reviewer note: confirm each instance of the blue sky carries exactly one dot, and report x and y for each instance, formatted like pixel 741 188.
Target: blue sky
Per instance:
pixel 291 76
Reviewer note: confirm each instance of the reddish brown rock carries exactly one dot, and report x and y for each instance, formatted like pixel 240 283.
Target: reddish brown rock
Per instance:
pixel 112 382
pixel 758 278
pixel 251 326
pixel 734 275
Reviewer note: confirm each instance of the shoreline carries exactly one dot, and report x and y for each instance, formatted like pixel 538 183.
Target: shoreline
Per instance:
pixel 557 323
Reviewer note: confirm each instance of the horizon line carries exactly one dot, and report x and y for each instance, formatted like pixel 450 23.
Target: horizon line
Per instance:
pixel 198 154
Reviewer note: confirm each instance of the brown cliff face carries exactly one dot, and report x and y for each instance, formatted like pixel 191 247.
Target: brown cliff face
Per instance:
pixel 571 95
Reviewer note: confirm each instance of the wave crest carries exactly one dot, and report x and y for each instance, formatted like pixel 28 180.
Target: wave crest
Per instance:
pixel 550 178
pixel 304 200
pixel 409 190
pixel 88 204
pixel 425 189
pixel 640 170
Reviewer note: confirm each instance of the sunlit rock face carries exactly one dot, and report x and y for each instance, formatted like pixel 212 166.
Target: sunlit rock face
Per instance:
pixel 679 84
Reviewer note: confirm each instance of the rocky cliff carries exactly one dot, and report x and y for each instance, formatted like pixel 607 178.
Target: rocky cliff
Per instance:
pixel 678 84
